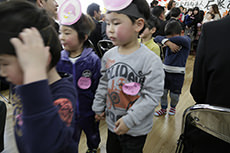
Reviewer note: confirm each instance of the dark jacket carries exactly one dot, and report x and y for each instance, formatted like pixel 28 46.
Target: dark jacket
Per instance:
pixel 211 76
pixel 44 115
pixel 88 62
pixel 96 35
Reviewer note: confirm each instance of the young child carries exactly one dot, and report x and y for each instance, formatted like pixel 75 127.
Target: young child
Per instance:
pixel 79 59
pixel 132 80
pixel 174 65
pixel 146 37
pixel 43 101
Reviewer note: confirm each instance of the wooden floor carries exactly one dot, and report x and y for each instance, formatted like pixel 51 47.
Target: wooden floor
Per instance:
pixel 162 139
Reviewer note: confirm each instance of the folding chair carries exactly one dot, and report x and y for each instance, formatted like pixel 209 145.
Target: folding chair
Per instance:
pixel 104 46
pixel 205 128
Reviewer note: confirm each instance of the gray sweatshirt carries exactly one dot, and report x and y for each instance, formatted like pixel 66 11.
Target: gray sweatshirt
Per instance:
pixel 143 67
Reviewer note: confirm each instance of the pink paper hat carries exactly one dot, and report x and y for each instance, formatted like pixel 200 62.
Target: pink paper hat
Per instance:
pixel 116 5
pixel 69 12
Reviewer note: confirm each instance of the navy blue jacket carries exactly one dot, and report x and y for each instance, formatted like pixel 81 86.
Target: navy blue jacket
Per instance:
pixel 44 116
pixel 89 63
pixel 175 62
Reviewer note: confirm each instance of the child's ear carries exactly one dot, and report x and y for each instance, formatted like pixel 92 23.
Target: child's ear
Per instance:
pixel 153 30
pixel 140 22
pixel 86 37
pixel 39 3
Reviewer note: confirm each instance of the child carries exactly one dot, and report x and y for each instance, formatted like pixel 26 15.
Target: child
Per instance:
pixel 79 59
pixel 132 80
pixel 43 101
pixel 174 65
pixel 146 36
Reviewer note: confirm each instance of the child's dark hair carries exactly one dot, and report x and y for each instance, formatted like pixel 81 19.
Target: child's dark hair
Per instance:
pixel 173 27
pixel 84 26
pixel 18 15
pixel 175 12
pixel 157 11
pixel 142 7
pixel 153 22
pixel 189 10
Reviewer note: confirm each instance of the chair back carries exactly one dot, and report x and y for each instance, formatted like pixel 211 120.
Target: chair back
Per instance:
pixel 212 121
pixel 104 46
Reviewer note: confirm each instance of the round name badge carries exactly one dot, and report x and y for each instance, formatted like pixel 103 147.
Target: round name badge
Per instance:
pixel 84 83
pixel 131 88
pixel 116 5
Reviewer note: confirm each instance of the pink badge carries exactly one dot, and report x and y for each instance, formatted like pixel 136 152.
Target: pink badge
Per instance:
pixel 131 88
pixel 84 83
pixel 69 12
pixel 19 118
pixel 116 5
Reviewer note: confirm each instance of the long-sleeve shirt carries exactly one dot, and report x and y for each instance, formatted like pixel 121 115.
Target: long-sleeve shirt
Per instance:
pixel 175 62
pixel 143 67
pixel 43 117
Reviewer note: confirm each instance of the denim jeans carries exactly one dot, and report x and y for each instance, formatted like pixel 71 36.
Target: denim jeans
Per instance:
pixel 2 124
pixel 124 143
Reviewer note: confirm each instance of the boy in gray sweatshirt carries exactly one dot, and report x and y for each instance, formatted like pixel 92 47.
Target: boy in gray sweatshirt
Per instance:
pixel 132 81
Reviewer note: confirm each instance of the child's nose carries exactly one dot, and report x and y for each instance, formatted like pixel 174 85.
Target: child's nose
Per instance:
pixel 110 28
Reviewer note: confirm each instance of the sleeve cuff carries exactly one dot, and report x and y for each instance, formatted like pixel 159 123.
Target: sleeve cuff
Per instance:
pixel 164 41
pixel 128 121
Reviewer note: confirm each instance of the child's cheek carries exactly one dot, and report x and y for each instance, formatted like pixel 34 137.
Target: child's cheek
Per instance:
pixel 68 41
pixel 120 34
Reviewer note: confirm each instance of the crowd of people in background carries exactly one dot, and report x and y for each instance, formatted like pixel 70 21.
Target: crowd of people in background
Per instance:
pixel 88 85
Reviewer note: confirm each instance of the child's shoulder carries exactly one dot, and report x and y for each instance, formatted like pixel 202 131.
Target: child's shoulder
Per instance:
pixel 146 54
pixel 111 51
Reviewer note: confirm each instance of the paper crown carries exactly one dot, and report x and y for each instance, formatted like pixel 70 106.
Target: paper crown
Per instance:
pixel 116 5
pixel 69 12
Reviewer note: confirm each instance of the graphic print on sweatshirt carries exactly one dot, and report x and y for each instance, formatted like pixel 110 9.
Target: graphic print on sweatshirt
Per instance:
pixel 64 105
pixel 118 74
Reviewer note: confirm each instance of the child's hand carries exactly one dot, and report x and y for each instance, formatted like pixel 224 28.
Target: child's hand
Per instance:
pixel 32 55
pixel 174 47
pixel 99 117
pixel 121 128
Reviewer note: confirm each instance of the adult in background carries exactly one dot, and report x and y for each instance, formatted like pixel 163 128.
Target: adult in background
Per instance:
pixel 211 69
pixel 153 4
pixel 171 5
pixel 159 12
pixel 215 10
pixel 94 11
pixel 51 7
pixel 211 82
